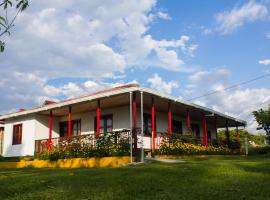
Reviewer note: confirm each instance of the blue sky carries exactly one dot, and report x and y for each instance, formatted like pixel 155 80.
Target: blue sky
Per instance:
pixel 60 49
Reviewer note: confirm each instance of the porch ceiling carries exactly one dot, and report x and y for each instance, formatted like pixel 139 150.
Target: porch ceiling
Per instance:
pixel 180 109
pixel 105 103
pixel 161 105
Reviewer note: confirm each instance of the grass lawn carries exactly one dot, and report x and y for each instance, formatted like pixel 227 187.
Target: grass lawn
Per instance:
pixel 204 178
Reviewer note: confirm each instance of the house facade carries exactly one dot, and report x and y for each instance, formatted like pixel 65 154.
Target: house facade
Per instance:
pixel 149 114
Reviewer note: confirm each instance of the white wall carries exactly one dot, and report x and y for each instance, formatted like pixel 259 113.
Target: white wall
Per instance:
pixel 28 135
pixel 42 127
pixel 120 119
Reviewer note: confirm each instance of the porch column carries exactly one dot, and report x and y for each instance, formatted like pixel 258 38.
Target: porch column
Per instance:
pixel 169 120
pixel 134 112
pixel 130 124
pixel 69 123
pixel 227 132
pixel 237 133
pixel 98 119
pixel 204 129
pixel 188 122
pixel 216 127
pixel 153 125
pixel 50 131
pixel 142 134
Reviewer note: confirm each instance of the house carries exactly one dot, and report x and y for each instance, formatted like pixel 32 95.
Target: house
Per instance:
pixel 123 108
pixel 1 137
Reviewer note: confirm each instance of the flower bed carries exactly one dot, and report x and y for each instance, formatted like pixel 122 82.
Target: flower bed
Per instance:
pixel 112 144
pixel 181 148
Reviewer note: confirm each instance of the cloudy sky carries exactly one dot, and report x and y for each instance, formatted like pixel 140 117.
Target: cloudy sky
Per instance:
pixel 59 49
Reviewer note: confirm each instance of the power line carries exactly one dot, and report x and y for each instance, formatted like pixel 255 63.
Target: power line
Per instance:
pixel 230 87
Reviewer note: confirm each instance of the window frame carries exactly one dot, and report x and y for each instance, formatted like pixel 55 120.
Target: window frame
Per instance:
pixel 65 123
pixel 105 127
pixel 146 117
pixel 17 136
pixel 194 133
pixel 178 123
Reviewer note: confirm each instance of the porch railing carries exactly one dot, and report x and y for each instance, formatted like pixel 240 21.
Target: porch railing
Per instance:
pixel 91 139
pixel 85 139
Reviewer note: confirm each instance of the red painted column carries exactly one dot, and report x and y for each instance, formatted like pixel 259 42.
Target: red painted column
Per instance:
pixel 153 125
pixel 134 113
pixel 98 119
pixel 188 121
pixel 169 120
pixel 69 123
pixel 50 131
pixel 205 139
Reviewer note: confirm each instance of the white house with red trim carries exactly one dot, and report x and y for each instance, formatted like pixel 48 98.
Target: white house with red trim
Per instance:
pixel 124 108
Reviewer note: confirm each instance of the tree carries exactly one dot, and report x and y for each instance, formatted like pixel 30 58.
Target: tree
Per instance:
pixel 7 21
pixel 263 119
pixel 257 139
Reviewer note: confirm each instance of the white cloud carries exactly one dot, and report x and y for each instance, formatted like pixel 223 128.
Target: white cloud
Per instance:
pixel 163 15
pixel 230 21
pixel 265 62
pixel 96 38
pixel 157 83
pixel 92 40
pixel 236 102
pixel 160 15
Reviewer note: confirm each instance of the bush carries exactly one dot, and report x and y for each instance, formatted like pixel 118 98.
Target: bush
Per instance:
pixel 180 148
pixel 2 158
pixel 259 150
pixel 112 144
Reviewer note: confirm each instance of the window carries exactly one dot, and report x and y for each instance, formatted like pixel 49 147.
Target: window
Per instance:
pixel 209 135
pixel 195 130
pixel 177 127
pixel 75 128
pixel 147 124
pixel 106 123
pixel 17 134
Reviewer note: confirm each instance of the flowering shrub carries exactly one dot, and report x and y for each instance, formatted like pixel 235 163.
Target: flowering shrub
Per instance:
pixel 181 148
pixel 112 144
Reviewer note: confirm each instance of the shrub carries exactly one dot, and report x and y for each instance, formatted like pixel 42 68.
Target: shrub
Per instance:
pixel 259 150
pixel 181 148
pixel 112 144
pixel 2 158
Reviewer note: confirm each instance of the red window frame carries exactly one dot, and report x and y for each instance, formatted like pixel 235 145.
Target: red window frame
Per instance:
pixel 147 124
pixel 195 130
pixel 105 127
pixel 17 134
pixel 75 130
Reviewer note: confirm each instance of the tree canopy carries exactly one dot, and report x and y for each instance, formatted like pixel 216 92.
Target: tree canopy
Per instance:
pixel 263 119
pixel 6 19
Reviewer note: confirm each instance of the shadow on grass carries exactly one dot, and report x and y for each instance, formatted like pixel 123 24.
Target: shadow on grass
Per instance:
pixel 211 178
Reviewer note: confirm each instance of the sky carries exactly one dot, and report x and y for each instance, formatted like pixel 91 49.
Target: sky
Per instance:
pixel 59 49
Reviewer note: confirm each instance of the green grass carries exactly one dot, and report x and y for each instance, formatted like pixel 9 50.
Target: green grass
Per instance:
pixel 219 178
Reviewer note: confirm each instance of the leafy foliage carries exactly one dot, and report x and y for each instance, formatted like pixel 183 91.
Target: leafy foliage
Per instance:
pixel 259 150
pixel 113 144
pixel 263 119
pixel 180 148
pixel 7 22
